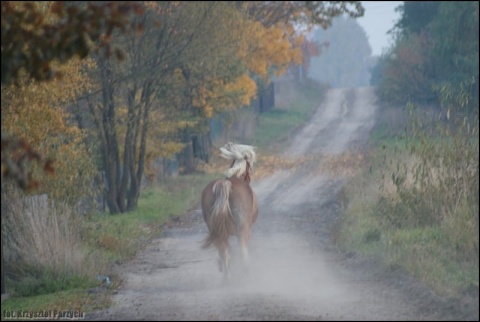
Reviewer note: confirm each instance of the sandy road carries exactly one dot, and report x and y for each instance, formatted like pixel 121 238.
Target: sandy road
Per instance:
pixel 295 272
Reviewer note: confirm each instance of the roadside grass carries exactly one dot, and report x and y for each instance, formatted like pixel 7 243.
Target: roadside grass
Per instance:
pixel 434 254
pixel 431 255
pixel 276 125
pixel 120 236
pixel 420 228
pixel 71 300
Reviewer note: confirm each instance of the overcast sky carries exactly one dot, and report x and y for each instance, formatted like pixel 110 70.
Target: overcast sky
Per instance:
pixel 379 17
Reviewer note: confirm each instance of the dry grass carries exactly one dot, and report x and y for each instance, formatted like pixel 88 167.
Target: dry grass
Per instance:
pixel 417 207
pixel 43 239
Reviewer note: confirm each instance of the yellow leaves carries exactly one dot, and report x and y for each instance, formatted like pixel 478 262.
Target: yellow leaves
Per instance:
pixel 201 96
pixel 276 46
pixel 41 100
pixel 36 120
pixel 298 41
pixel 185 123
pixel 36 112
pixel 208 110
pixel 169 148
pixel 243 86
pixel 178 78
pixel 216 95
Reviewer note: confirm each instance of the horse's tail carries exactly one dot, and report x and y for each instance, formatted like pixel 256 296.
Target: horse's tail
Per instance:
pixel 220 214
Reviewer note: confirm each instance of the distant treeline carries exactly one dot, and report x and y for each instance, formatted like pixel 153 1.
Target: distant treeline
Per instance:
pixel 435 49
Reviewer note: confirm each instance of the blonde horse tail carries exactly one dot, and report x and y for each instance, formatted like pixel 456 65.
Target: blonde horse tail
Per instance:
pixel 220 214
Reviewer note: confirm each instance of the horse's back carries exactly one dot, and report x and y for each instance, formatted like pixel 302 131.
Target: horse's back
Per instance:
pixel 241 190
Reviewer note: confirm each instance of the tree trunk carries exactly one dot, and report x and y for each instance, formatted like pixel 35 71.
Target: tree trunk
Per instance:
pixel 111 157
pixel 4 290
pixel 136 176
pixel 111 187
pixel 186 156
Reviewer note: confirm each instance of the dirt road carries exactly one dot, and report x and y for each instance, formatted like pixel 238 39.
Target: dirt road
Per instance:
pixel 296 273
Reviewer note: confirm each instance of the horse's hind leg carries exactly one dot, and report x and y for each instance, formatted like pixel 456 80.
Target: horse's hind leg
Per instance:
pixel 224 263
pixel 244 248
pixel 243 239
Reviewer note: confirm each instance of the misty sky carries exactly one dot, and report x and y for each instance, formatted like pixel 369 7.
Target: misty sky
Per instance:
pixel 380 16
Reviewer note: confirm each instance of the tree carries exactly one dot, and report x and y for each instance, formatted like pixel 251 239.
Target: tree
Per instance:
pixel 415 16
pixel 37 110
pixel 160 81
pixel 453 57
pixel 306 13
pixel 30 44
pixel 404 75
pixel 435 51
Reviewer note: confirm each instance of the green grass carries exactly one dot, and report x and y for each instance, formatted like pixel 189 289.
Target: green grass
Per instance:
pixel 429 254
pixel 276 125
pixel 120 236
pixel 72 300
pixel 35 281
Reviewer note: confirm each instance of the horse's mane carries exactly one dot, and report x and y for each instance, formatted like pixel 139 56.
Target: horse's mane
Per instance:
pixel 243 157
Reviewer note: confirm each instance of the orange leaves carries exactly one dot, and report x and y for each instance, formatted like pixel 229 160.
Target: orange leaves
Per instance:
pixel 271 39
pixel 33 111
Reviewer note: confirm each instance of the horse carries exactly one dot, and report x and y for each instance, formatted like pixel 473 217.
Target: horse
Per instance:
pixel 229 205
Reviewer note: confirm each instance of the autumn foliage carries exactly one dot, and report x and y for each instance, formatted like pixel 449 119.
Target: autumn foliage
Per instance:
pixel 36 35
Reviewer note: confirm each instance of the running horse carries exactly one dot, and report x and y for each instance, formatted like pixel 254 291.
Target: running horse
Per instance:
pixel 229 205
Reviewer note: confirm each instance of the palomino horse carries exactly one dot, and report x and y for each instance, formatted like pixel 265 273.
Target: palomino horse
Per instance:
pixel 229 205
